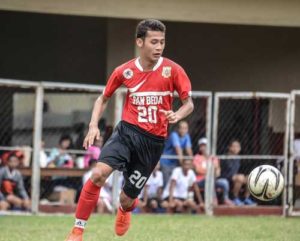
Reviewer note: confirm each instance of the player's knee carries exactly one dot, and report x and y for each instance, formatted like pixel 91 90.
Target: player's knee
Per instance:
pixel 98 177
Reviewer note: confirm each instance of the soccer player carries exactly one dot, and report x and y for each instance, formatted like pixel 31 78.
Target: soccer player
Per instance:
pixel 138 140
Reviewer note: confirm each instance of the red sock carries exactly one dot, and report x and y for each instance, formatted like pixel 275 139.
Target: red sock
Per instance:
pixel 87 201
pixel 133 206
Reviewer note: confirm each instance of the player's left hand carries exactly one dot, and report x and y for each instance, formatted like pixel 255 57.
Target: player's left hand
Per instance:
pixel 171 116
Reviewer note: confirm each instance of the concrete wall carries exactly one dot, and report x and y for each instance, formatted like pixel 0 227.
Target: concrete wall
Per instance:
pixel 52 47
pixel 235 57
pixel 274 12
pixel 86 49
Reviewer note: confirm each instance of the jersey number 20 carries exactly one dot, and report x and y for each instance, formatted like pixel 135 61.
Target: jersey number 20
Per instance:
pixel 137 180
pixel 147 114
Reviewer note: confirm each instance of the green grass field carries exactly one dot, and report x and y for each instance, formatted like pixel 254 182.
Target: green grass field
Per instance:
pixel 154 228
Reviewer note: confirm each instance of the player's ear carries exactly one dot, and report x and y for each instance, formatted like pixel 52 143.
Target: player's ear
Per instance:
pixel 139 42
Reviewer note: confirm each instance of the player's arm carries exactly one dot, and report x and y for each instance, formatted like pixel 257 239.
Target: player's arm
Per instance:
pixel 94 132
pixel 183 87
pixel 186 109
pixel 100 105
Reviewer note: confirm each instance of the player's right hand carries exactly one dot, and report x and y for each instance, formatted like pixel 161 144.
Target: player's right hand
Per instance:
pixel 93 133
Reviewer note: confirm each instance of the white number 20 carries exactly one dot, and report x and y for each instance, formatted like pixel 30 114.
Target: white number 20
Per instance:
pixel 147 114
pixel 137 180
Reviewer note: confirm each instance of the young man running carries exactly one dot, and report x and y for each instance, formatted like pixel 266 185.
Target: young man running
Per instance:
pixel 136 145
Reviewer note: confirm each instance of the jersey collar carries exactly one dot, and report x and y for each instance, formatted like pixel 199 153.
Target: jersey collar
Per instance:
pixel 139 66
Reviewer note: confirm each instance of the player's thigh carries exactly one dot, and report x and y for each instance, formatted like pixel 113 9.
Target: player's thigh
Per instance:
pixel 115 153
pixel 138 170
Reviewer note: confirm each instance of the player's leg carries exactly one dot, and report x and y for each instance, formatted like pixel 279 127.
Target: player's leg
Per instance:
pixel 114 155
pixel 145 152
pixel 123 219
pixel 88 199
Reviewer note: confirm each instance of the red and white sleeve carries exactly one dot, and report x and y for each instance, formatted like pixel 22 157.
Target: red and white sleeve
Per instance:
pixel 182 83
pixel 113 83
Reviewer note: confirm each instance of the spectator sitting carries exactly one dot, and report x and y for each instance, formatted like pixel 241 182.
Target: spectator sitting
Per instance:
pixel 200 162
pixel 58 156
pixel 230 171
pixel 12 192
pixel 43 156
pixel 177 194
pixel 93 152
pixel 178 142
pixel 152 193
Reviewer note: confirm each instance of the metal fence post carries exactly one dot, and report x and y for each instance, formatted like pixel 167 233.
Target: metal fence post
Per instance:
pixel 288 183
pixel 37 136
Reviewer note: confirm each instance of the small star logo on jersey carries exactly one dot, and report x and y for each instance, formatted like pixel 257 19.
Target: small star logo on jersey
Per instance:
pixel 166 71
pixel 128 73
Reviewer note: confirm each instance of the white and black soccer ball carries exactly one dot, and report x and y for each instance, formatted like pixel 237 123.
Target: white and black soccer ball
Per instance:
pixel 265 182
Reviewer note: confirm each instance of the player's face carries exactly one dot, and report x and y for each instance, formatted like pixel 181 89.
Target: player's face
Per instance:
pixel 152 47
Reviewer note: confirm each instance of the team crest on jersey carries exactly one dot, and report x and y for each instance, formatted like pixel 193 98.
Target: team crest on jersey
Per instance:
pixel 166 71
pixel 128 73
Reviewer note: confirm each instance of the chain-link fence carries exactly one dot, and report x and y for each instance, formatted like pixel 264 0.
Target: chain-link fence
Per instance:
pixel 250 129
pixel 58 114
pixel 17 100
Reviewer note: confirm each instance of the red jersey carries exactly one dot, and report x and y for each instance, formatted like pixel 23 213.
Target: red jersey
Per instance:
pixel 148 92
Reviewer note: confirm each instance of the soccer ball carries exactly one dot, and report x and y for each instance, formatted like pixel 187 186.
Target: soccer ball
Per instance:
pixel 265 182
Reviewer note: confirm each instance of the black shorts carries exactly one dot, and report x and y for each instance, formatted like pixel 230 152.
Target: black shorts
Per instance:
pixel 134 152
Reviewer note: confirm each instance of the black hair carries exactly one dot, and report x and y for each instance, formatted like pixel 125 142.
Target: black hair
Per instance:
pixel 149 25
pixel 66 137
pixel 11 155
pixel 234 140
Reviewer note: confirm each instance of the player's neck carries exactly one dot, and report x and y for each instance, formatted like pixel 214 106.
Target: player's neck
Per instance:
pixel 146 64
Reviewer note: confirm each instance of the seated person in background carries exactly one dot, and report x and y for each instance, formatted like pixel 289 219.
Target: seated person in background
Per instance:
pixel 200 162
pixel 93 152
pixel 230 171
pixel 12 192
pixel 178 194
pixel 152 193
pixel 178 142
pixel 59 157
pixel 43 155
